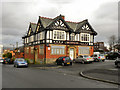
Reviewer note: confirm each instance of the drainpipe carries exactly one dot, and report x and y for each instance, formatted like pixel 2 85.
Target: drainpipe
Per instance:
pixel 45 48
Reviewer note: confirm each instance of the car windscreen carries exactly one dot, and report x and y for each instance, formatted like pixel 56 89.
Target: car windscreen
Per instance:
pixel 67 58
pixel 20 60
pixel 86 56
pixel 101 54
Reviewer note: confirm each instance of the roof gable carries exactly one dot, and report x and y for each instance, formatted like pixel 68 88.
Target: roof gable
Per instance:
pixel 32 28
pixel 59 23
pixel 39 26
pixel 84 26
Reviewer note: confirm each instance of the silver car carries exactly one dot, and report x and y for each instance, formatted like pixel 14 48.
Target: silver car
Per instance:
pixel 19 62
pixel 83 59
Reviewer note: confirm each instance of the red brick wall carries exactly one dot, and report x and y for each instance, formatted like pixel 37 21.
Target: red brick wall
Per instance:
pixel 48 53
pixel 28 55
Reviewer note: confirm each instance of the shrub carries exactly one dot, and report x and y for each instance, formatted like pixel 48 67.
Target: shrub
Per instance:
pixel 27 60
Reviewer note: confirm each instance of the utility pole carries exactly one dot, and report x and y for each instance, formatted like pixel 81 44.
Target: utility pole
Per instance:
pixel 16 44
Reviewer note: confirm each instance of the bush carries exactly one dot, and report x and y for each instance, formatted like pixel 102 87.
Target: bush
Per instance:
pixel 13 58
pixel 27 61
pixel 4 55
pixel 9 55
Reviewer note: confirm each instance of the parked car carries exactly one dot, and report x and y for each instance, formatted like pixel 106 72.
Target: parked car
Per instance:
pixel 7 61
pixel 117 62
pixel 64 61
pixel 95 57
pixel 112 55
pixel 20 62
pixel 98 57
pixel 83 59
pixel 101 57
pixel 1 60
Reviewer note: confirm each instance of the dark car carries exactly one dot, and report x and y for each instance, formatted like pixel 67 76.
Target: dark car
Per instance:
pixel 112 55
pixel 7 61
pixel 64 61
pixel 117 61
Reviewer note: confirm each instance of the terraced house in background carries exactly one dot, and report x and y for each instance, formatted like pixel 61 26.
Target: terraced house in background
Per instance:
pixel 50 38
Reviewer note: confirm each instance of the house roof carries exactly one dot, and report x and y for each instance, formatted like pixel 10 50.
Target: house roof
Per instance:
pixel 74 26
pixel 33 27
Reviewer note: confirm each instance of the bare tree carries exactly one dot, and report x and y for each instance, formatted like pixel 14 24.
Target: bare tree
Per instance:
pixel 112 41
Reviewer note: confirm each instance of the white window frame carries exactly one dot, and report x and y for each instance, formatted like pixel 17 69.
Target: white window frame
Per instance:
pixel 59 35
pixel 84 37
pixel 72 36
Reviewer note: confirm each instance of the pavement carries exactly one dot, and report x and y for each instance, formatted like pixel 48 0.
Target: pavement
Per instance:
pixel 44 66
pixel 104 75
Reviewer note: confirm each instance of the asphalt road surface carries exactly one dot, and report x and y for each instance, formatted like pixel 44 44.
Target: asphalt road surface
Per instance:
pixel 52 78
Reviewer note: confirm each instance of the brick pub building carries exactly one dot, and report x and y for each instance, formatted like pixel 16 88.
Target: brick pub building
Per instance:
pixel 50 38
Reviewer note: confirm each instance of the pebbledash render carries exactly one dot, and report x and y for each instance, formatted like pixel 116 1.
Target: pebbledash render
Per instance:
pixel 52 38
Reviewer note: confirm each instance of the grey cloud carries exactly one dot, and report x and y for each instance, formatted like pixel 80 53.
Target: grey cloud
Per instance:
pixel 16 17
pixel 61 1
pixel 105 21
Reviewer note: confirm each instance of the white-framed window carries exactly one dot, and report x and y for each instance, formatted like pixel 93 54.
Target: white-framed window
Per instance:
pixel 72 37
pixel 32 38
pixel 91 38
pixel 77 37
pixel 27 49
pixel 32 50
pixel 40 35
pixel 57 50
pixel 36 37
pixel 85 37
pixel 41 49
pixel 84 50
pixel 58 35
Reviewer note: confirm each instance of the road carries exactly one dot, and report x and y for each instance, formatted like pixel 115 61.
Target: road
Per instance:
pixel 52 78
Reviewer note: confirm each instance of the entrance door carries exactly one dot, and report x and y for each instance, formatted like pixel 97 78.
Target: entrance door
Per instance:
pixel 71 53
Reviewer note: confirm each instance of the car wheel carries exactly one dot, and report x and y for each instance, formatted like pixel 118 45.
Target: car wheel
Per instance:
pixel 63 64
pixel 82 62
pixel 57 63
pixel 103 60
pixel 118 64
pixel 16 66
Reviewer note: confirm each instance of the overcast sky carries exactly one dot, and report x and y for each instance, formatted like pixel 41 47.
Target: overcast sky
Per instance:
pixel 16 16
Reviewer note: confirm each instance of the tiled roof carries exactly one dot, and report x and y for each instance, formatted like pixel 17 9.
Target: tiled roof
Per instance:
pixel 73 25
pixel 33 27
pixel 46 21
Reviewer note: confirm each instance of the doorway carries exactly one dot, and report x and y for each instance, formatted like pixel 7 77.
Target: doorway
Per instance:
pixel 71 53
